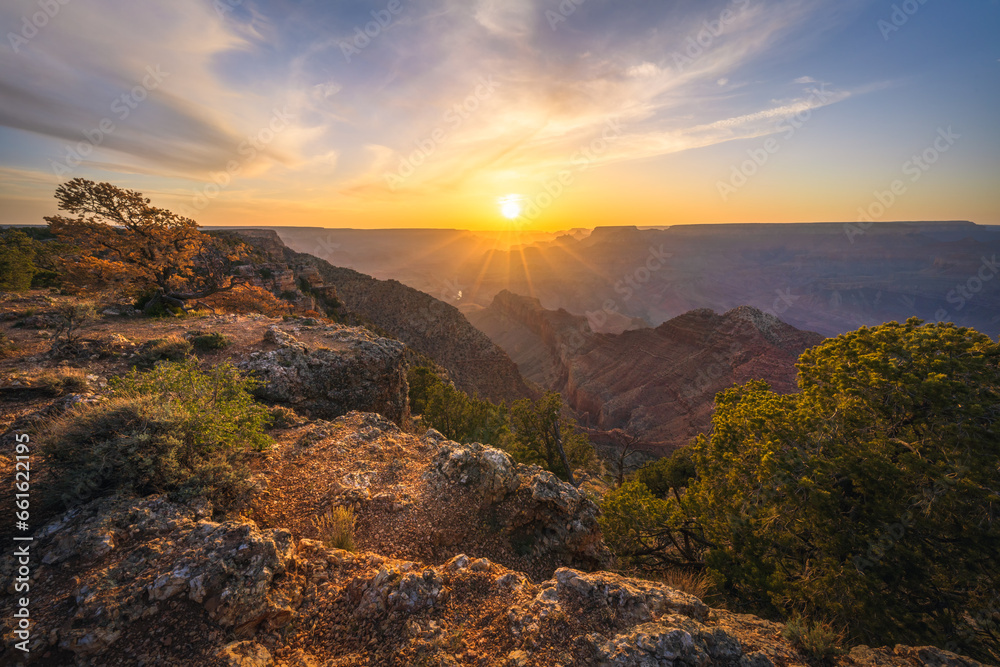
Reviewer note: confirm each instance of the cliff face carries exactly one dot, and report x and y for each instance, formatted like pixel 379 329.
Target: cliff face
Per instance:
pixel 658 383
pixel 430 327
pixel 128 580
pixel 351 369
pixel 423 323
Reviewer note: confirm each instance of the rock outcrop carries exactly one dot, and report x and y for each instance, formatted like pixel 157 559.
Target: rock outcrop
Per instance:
pixel 546 513
pixel 427 325
pixel 353 370
pixel 139 554
pixel 659 384
pixel 172 587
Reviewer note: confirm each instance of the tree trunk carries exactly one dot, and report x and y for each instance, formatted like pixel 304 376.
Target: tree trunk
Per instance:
pixel 562 452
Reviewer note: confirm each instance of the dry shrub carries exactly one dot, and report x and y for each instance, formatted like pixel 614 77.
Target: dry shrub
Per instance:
pixel 685 581
pixel 248 299
pixel 284 417
pixel 63 381
pixel 336 528
pixel 817 640
pixel 8 347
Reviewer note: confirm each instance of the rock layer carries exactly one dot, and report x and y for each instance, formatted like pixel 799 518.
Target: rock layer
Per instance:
pixel 660 383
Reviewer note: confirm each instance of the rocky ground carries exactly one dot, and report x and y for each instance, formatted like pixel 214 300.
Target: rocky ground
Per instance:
pixel 461 560
pixel 461 557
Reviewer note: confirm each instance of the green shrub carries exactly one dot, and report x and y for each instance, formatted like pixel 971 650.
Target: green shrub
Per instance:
pixel 868 498
pixel 531 432
pixel 168 348
pixel 17 260
pixel 336 528
pixel 210 341
pixel 668 474
pixel 172 429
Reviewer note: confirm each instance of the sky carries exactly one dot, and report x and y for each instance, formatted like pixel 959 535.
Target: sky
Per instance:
pixel 499 114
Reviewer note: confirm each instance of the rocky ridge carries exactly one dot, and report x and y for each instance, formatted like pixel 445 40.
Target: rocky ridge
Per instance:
pixel 429 326
pixel 150 581
pixel 657 383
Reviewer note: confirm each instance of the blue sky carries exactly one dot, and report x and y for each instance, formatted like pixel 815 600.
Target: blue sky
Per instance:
pixel 587 112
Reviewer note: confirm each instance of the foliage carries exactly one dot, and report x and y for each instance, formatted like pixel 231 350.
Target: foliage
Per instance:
pixel 648 531
pixel 17 260
pixel 527 430
pixel 248 299
pixel 420 380
pixel 168 348
pixel 668 474
pixel 121 240
pixel 817 640
pixel 870 497
pixel 452 412
pixel 206 342
pixel 336 528
pixel 173 429
pixel 538 430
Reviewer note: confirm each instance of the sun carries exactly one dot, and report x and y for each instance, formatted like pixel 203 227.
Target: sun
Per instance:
pixel 510 206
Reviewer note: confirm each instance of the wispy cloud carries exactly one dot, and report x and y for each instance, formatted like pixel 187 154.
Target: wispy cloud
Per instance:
pixel 555 96
pixel 150 76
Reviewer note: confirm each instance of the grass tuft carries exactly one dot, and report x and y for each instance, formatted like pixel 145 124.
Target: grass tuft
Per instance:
pixel 336 528
pixel 817 640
